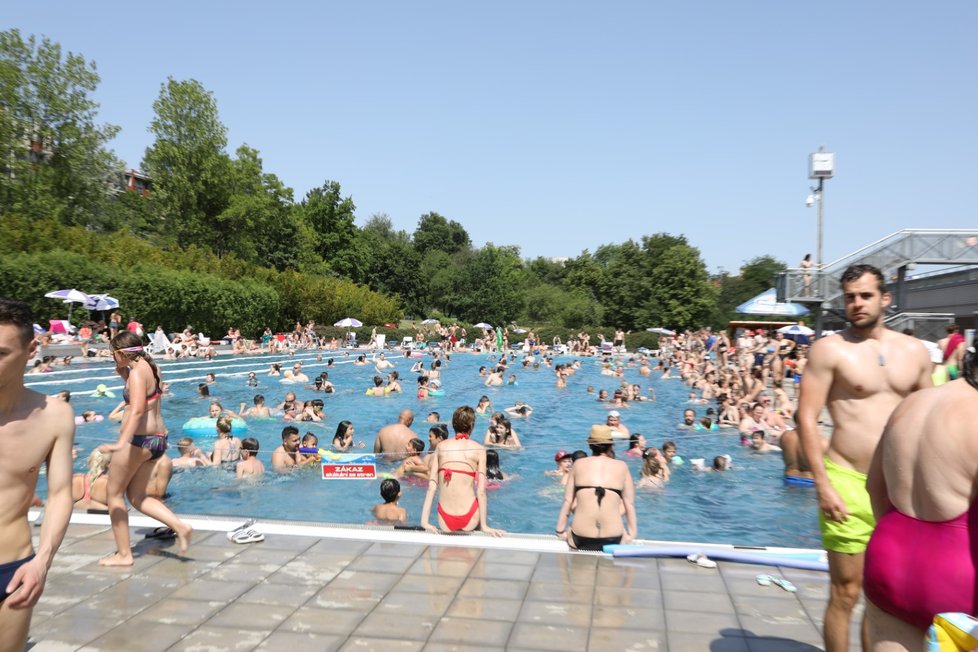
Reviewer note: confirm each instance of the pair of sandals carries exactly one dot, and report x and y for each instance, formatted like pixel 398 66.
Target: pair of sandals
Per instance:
pixel 768 580
pixel 245 533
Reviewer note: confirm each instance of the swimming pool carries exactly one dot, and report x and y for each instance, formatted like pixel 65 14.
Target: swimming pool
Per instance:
pixel 748 505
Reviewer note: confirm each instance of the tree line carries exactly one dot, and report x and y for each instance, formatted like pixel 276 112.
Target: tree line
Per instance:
pixel 214 215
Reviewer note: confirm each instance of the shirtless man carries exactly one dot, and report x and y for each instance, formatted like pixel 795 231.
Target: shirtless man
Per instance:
pixel 860 374
pixel 259 410
pixel 287 457
pixel 394 439
pixel 34 430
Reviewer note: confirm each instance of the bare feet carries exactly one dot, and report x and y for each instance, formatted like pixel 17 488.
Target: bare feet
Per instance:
pixel 116 559
pixel 183 538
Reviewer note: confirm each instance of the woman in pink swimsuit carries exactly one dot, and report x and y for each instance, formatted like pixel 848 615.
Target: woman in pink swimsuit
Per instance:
pixel 923 555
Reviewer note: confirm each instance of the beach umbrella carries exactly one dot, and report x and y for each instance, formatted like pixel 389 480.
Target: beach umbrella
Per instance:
pixel 766 303
pixel 796 329
pixel 428 322
pixel 101 302
pixel 348 322
pixel 661 331
pixel 71 297
pixel 482 324
pixel 519 330
pixel 39 330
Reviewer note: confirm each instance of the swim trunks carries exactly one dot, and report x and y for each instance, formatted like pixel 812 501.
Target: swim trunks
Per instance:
pixel 155 444
pixel 7 573
pixel 594 543
pixel 913 580
pixel 852 535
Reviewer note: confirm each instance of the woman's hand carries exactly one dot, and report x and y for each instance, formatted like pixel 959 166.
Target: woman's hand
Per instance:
pixel 106 449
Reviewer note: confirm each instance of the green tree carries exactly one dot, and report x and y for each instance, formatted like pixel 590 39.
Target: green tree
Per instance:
pixel 491 285
pixel 681 293
pixel 53 155
pixel 756 276
pixel 190 168
pixel 330 217
pixel 392 264
pixel 436 232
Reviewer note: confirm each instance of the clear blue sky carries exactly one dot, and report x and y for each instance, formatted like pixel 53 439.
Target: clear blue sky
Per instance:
pixel 560 126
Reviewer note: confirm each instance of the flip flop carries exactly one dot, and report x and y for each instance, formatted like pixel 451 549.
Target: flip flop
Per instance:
pixel 701 560
pixel 162 533
pixel 248 536
pixel 764 580
pixel 241 528
pixel 768 580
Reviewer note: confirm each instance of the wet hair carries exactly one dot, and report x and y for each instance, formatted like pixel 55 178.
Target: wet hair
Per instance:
pixel 501 418
pixel 184 444
pixel 378 381
pixel 224 425
pixel 390 489
pixel 18 314
pixel 855 272
pixel 422 380
pixel 203 390
pixel 126 340
pixel 463 420
pixel 417 445
pixel 633 440
pixel 578 454
pixel 341 429
pixel 259 399
pixel 250 444
pixel 309 440
pixel 607 449
pixel 288 431
pixel 493 472
pixel 652 464
pixel 720 463
pixel 65 395
pixel 437 417
pixel 439 430
pixel 669 444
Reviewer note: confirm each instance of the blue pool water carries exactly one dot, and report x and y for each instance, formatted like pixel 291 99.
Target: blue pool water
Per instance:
pixel 748 505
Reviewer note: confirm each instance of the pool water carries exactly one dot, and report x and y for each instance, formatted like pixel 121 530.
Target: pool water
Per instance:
pixel 747 505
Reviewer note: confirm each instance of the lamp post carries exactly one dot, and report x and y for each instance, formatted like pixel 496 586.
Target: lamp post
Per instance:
pixel 821 166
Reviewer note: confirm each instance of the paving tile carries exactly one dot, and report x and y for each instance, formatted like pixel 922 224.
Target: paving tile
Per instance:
pixel 382 563
pixel 367 644
pixel 568 575
pixel 628 577
pixel 692 582
pixel 459 647
pixel 363 580
pixel 548 637
pixel 470 632
pixel 424 584
pixel 603 638
pixel 682 641
pixel 480 587
pixel 556 592
pixel 312 620
pixel 285 542
pixel 206 589
pixel 261 617
pixel 450 568
pixel 628 617
pixel 279 640
pixel 395 549
pixel 255 554
pixel 775 644
pixel 344 597
pixel 279 594
pixel 174 611
pixel 74 627
pixel 696 622
pixel 718 602
pixel 785 605
pixel 512 557
pixel 146 637
pixel 301 571
pixel 480 608
pixel 421 604
pixel 351 548
pixel 798 629
pixel 219 639
pixel 394 626
pixel 641 598
pixel 556 613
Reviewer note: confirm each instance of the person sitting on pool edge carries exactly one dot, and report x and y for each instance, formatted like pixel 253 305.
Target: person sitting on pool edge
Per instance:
pixel 597 518
pixel 460 508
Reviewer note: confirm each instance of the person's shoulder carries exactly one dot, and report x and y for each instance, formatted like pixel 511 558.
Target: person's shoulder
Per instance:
pixel 52 408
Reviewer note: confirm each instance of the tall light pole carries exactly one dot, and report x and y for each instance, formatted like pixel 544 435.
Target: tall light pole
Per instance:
pixel 821 166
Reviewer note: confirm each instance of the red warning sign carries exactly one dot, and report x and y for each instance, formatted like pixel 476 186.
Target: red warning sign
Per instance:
pixel 349 471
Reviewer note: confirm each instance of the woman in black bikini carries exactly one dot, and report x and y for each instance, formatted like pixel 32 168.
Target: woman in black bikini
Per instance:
pixel 142 441
pixel 601 486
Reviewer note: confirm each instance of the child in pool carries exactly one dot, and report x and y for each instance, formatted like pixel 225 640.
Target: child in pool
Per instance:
pixel 389 511
pixel 250 465
pixel 413 465
pixel 190 455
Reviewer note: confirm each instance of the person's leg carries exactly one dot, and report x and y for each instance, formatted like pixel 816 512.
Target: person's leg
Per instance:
pixel 15 624
pixel 846 577
pixel 887 633
pixel 155 508
pixel 124 464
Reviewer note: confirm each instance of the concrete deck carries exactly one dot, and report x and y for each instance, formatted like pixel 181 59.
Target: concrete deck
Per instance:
pixel 300 592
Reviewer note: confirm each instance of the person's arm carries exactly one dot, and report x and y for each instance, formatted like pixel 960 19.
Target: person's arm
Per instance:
pixel 562 528
pixel 430 495
pixel 378 449
pixel 628 497
pixel 814 392
pixel 480 493
pixel 27 583
pixel 516 440
pixel 876 481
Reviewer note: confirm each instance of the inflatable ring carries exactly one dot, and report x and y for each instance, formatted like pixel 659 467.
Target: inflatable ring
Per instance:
pixel 207 426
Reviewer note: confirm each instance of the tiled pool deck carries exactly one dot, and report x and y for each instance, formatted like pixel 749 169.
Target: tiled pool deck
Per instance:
pixel 298 592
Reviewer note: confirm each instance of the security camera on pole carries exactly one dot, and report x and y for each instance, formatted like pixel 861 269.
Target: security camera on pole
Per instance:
pixel 821 166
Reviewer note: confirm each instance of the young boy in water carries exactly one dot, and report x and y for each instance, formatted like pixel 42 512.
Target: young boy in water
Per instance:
pixel 389 511
pixel 190 455
pixel 413 465
pixel 249 465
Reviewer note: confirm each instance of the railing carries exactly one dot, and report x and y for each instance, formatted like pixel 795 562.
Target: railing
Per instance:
pixel 925 325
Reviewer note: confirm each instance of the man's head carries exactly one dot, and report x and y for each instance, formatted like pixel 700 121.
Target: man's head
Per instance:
pixel 17 343
pixel 250 446
pixel 689 417
pixel 406 418
pixel 290 438
pixel 614 418
pixel 757 439
pixel 865 296
pixel 17 314
pixel 433 417
pixel 290 397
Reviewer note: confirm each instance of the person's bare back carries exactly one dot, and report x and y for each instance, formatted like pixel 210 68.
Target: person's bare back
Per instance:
pixel 393 439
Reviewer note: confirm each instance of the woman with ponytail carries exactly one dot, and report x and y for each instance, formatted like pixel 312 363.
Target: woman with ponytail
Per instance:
pixel 142 441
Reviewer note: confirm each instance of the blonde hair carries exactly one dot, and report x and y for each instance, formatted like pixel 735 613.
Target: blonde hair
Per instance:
pixel 98 462
pixel 224 426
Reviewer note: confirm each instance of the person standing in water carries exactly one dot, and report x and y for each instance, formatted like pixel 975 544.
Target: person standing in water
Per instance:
pixel 142 440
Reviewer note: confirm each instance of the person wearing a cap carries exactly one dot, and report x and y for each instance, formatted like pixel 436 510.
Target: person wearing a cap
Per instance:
pixel 618 429
pixel 598 487
pixel 565 462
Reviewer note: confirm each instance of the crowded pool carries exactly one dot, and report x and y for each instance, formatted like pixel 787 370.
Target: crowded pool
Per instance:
pixel 748 505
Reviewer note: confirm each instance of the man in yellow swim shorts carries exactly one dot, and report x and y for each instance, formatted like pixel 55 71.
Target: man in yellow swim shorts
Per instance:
pixel 860 374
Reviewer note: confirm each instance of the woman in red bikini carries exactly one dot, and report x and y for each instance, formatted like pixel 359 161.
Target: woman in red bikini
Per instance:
pixel 142 441
pixel 923 556
pixel 458 474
